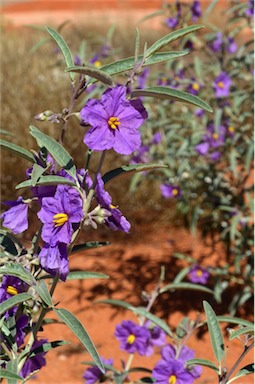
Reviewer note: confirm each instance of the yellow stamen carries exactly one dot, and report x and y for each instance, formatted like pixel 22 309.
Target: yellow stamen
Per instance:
pixel 11 290
pixel 131 339
pixel 113 206
pixel 220 84
pixel 195 86
pixel 60 219
pixel 113 122
pixel 172 379
pixel 175 192
pixel 97 63
pixel 199 272
pixel 231 129
pixel 215 136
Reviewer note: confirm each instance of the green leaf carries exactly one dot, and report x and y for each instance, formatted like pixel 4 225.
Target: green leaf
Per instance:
pixel 14 300
pixel 93 72
pixel 37 172
pixel 80 275
pixel 204 362
pixel 9 375
pixel 63 47
pixel 165 40
pixel 247 370
pixel 42 290
pixel 130 168
pixel 18 271
pixel 46 180
pixel 128 63
pixel 6 133
pixel 180 276
pixel 140 311
pixel 181 285
pixel 215 332
pixel 57 151
pixel 234 320
pixel 89 245
pixel 47 347
pixel 17 150
pixel 170 93
pixel 241 331
pixel 77 328
pixel 9 243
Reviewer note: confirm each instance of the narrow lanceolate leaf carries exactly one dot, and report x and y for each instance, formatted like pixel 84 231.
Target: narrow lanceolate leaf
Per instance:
pixel 241 331
pixel 46 180
pixel 17 150
pixel 92 72
pixel 205 363
pixel 13 301
pixel 142 312
pixel 128 63
pixel 37 172
pixel 89 245
pixel 181 285
pixel 234 320
pixel 215 332
pixel 247 370
pixel 63 47
pixel 165 40
pixel 18 271
pixel 77 328
pixel 172 94
pixel 47 347
pixel 8 375
pixel 131 168
pixel 57 151
pixel 42 290
pixel 81 275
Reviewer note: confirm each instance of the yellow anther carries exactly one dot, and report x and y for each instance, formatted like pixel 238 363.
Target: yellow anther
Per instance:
pixel 175 192
pixel 97 63
pixel 113 122
pixel 195 86
pixel 131 339
pixel 60 219
pixel 220 84
pixel 199 272
pixel 113 206
pixel 215 136
pixel 11 290
pixel 231 129
pixel 172 379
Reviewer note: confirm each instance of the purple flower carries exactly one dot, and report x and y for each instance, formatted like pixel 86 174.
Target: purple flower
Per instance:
pixel 142 155
pixel 198 274
pixel 202 148
pixel 143 77
pixel 169 353
pixel 94 375
pixel 250 10
pixel 156 139
pixel 168 191
pixel 15 218
pixel 77 60
pixel 196 10
pixel 157 337
pixel 36 362
pixel 172 22
pixel 222 85
pixel 59 213
pixel 194 87
pixel 133 338
pixel 163 80
pixel 54 259
pixel 217 43
pixel 21 325
pixel 171 372
pixel 114 122
pixel 116 221
pixel 231 45
pixel 11 286
pixel 199 112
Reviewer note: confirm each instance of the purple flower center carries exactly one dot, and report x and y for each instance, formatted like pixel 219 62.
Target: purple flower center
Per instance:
pixel 172 379
pixel 131 339
pixel 220 84
pixel 11 290
pixel 113 122
pixel 60 219
pixel 199 272
pixel 215 136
